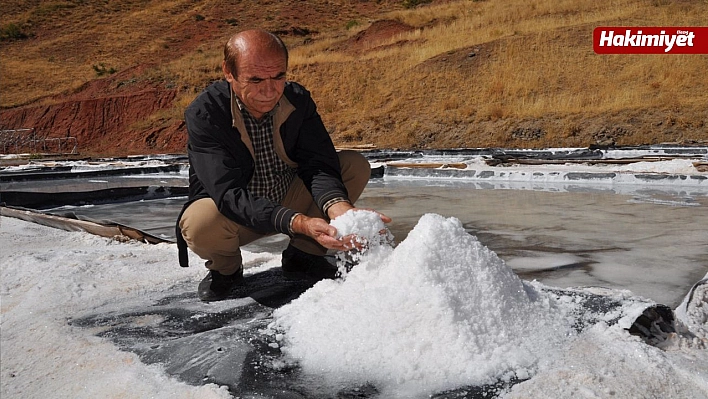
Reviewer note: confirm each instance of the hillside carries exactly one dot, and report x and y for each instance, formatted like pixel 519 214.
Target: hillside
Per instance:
pixel 117 74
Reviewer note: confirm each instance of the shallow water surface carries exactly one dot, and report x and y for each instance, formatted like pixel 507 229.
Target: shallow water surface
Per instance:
pixel 653 243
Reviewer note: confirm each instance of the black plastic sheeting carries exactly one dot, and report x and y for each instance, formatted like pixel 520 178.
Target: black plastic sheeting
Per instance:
pixel 39 176
pixel 43 200
pixel 199 343
pixel 65 172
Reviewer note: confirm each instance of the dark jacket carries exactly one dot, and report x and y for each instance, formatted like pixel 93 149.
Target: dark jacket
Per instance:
pixel 222 161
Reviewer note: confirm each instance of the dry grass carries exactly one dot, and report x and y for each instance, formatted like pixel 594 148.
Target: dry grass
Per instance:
pixel 535 62
pixel 533 68
pixel 70 38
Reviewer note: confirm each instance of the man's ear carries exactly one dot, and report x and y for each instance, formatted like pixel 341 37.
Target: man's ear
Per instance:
pixel 229 77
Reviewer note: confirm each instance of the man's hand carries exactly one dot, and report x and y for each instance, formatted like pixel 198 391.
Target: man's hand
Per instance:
pixel 322 232
pixel 326 235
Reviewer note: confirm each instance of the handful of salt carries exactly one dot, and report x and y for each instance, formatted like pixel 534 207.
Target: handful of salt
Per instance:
pixel 363 227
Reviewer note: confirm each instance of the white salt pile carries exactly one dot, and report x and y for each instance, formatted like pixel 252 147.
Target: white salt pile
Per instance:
pixel 437 312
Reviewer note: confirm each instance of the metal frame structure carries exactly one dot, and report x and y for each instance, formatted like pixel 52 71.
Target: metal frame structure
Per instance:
pixel 27 140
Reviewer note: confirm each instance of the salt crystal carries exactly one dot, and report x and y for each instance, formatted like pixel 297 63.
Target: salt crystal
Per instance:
pixel 367 229
pixel 364 224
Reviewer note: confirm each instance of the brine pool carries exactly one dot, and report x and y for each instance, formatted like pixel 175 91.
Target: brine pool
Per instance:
pixel 652 243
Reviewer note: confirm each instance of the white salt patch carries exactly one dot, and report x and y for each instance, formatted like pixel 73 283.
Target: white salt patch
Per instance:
pixel 48 276
pixel 602 364
pixel 543 262
pixel 438 312
pixel 693 311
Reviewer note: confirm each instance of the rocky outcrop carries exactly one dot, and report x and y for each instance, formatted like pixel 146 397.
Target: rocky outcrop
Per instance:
pixel 104 123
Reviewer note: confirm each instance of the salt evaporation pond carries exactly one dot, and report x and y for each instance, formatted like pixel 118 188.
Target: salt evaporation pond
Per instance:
pixel 455 303
pixel 470 303
pixel 651 242
pixel 587 236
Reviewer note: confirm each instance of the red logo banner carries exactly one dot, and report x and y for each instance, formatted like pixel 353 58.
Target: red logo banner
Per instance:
pixel 650 40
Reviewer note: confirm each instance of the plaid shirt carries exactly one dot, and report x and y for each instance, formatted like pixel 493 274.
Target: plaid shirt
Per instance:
pixel 272 176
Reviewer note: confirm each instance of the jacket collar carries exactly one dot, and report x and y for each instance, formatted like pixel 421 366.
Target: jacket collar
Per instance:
pixel 280 112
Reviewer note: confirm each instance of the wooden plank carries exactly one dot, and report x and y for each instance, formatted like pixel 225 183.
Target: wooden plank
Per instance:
pixel 619 161
pixel 112 230
pixel 428 165
pixel 356 147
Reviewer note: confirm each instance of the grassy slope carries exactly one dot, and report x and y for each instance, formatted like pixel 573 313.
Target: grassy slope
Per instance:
pixel 533 81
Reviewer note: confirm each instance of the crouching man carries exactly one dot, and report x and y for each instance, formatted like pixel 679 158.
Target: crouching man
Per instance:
pixel 261 163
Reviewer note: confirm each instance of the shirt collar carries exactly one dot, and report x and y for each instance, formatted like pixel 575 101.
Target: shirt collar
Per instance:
pixel 241 107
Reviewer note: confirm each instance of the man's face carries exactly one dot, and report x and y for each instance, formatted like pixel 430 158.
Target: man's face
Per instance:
pixel 260 81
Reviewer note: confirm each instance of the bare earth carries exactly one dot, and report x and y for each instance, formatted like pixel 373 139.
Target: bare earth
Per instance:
pixel 136 110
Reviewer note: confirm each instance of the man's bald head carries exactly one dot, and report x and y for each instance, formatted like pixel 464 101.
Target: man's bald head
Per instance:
pixel 255 41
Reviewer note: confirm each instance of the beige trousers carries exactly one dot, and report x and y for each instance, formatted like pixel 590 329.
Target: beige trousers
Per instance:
pixel 218 239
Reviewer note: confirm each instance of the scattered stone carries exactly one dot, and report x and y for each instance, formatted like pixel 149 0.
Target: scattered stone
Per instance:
pixel 527 133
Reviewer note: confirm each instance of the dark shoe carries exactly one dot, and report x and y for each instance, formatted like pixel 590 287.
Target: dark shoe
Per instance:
pixel 216 286
pixel 299 265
